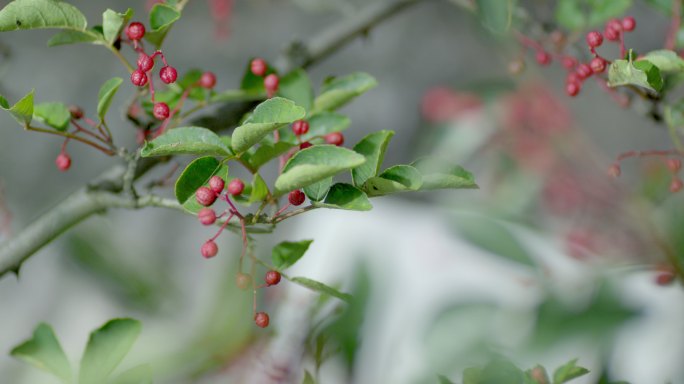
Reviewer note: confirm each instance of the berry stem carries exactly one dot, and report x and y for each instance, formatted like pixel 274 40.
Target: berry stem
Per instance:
pixel 527 42
pixel 79 128
pixel 106 151
pixel 623 52
pixel 107 134
pixel 671 37
pixel 649 153
pixel 223 226
pixel 278 219
pixel 281 210
pixel 175 110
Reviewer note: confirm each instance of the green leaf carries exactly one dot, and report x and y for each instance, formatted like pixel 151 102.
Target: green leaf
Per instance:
pixel 296 86
pixel 346 196
pixel 162 17
pixel 113 22
pixel 444 380
pixel 22 110
pixel 195 175
pixel 568 371
pixel 471 375
pixel 318 190
pixel 106 94
pixel 44 352
pixel 640 73
pixel 315 164
pixel 106 347
pixel 399 178
pixel 438 175
pixel 323 123
pixel 341 90
pixel 373 148
pixel 252 83
pixel 604 10
pixel 665 60
pixel 321 288
pixel 501 371
pixel 186 140
pixel 141 374
pixel 576 15
pixel 267 117
pixel 256 191
pixel 308 379
pixel 56 115
pixel 34 14
pixel 285 254
pixel 496 15
pixel 570 15
pixel 234 95
pixel 69 36
pixel 267 152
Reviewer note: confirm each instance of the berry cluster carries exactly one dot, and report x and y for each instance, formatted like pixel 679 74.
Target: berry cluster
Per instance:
pixel 258 67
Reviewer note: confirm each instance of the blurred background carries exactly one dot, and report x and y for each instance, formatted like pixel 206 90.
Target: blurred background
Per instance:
pixel 550 260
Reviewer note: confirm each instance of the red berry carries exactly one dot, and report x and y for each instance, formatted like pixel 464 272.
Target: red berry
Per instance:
pixel 271 84
pixel 543 58
pixel 216 184
pixel 334 138
pixel 569 62
pixel 305 145
pixel 676 185
pixel 594 39
pixel 300 127
pixel 611 33
pixel 628 23
pixel 206 216
pixel 138 78
pixel 573 77
pixel 615 24
pixel 76 112
pixel 168 74
pixel 272 278
pixel 598 65
pixel 258 67
pixel 235 187
pixel 205 196
pixel 145 62
pixel 665 278
pixel 208 80
pixel 584 71
pixel 296 197
pixel 63 162
pixel 573 88
pixel 161 111
pixel 135 31
pixel 674 165
pixel 614 170
pixel 261 319
pixel 243 281
pixel 209 249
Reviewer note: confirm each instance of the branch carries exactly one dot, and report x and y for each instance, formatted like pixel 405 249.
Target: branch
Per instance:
pixel 105 192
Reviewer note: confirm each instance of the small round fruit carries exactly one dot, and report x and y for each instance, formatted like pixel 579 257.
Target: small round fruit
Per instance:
pixel 272 278
pixel 261 319
pixel 584 71
pixel 135 31
pixel 300 127
pixel 161 111
pixel 572 88
pixel 296 197
pixel 594 39
pixel 75 112
pixel 258 67
pixel 665 278
pixel 208 80
pixel 569 62
pixel 334 138
pixel 628 24
pixel 243 281
pixel 168 74
pixel 235 187
pixel 598 65
pixel 271 83
pixel 209 249
pixel 216 183
pixel 676 185
pixel 206 216
pixel 205 196
pixel 611 33
pixel 138 78
pixel 305 145
pixel 543 58
pixel 63 162
pixel 674 165
pixel 145 62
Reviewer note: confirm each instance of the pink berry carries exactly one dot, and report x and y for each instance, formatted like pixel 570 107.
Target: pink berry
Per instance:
pixel 161 111
pixel 272 278
pixel 206 216
pixel 300 127
pixel 205 196
pixel 235 187
pixel 168 74
pixel 243 281
pixel 261 319
pixel 572 89
pixel 258 67
pixel 615 24
pixel 676 185
pixel 271 84
pixel 145 62
pixel 598 65
pixel 614 170
pixel 138 78
pixel 584 71
pixel 209 249
pixel 334 138
pixel 611 33
pixel 305 145
pixel 674 165
pixel 573 77
pixel 543 58
pixel 208 80
pixel 628 23
pixel 216 184
pixel 569 62
pixel 135 31
pixel 75 112
pixel 594 39
pixel 63 162
pixel 296 197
